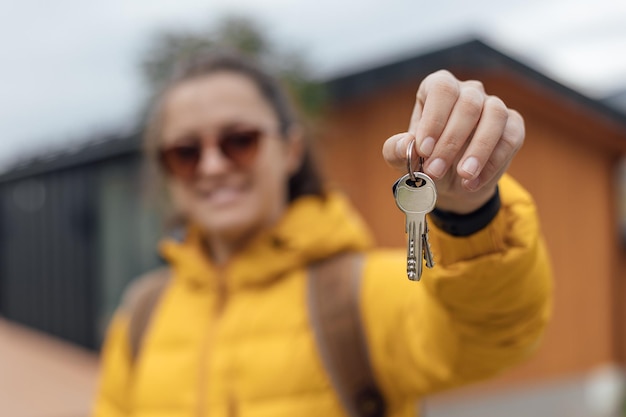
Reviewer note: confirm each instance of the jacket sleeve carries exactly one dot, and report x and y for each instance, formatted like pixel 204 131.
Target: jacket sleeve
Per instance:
pixel 482 308
pixel 112 396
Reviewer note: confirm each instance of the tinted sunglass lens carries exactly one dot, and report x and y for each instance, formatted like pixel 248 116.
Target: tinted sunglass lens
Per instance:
pixel 181 161
pixel 240 147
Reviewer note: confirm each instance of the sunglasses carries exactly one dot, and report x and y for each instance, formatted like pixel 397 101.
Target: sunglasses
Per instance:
pixel 238 146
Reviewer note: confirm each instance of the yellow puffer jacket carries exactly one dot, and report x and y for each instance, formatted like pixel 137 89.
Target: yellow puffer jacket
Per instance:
pixel 236 341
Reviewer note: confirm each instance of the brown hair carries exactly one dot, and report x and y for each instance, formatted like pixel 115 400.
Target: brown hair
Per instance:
pixel 307 180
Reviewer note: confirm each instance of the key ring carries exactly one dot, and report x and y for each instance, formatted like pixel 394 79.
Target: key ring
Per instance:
pixel 409 165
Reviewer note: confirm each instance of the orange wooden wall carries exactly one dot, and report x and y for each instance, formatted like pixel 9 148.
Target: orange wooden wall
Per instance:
pixel 569 171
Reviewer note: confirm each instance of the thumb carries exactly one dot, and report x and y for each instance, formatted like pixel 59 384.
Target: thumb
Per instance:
pixel 395 150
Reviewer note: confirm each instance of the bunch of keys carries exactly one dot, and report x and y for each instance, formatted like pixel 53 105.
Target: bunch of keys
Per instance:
pixel 415 194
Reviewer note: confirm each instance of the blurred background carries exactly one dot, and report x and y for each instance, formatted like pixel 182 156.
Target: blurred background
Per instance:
pixel 76 226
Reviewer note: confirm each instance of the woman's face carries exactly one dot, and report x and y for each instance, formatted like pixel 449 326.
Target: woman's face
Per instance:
pixel 229 197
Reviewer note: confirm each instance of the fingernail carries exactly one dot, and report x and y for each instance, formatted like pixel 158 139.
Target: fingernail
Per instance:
pixel 470 165
pixel 437 167
pixel 472 185
pixel 427 146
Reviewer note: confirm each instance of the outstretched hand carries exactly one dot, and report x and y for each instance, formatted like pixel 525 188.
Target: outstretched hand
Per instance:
pixel 467 138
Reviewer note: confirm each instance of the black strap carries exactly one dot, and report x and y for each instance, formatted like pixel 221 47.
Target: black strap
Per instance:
pixel 470 223
pixel 333 299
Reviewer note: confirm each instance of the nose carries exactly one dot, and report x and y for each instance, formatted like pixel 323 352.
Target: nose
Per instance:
pixel 213 161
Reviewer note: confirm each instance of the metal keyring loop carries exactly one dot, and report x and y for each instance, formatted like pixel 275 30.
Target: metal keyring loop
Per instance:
pixel 409 165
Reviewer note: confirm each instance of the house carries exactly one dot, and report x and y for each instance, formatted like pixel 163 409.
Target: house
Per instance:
pixel 74 228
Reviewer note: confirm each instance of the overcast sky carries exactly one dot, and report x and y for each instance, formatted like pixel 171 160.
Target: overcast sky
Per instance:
pixel 69 67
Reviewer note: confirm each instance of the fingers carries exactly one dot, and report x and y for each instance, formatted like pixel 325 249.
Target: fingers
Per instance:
pixel 462 121
pixel 492 155
pixel 436 98
pixel 443 91
pixel 461 130
pixel 484 140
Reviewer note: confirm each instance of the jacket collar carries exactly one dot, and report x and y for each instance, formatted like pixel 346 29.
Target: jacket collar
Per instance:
pixel 313 228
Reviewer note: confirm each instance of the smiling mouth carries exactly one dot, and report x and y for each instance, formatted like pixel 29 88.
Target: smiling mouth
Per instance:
pixel 221 195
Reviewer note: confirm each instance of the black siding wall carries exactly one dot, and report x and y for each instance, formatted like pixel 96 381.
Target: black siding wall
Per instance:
pixel 48 255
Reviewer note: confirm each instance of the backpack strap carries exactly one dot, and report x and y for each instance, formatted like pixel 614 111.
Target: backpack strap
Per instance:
pixel 139 302
pixel 333 302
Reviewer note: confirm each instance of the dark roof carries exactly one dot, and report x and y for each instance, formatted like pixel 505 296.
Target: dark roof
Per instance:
pixel 91 151
pixel 475 56
pixel 617 100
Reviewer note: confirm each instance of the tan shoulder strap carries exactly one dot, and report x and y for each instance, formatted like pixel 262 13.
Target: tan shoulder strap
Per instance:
pixel 140 301
pixel 333 301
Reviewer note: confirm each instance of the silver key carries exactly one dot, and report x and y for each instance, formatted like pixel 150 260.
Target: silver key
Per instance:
pixel 428 255
pixel 416 199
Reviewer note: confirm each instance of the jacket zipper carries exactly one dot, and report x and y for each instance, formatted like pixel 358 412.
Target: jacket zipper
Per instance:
pixel 221 300
pixel 232 406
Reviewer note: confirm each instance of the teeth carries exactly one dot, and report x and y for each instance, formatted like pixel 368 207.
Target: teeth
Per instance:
pixel 221 195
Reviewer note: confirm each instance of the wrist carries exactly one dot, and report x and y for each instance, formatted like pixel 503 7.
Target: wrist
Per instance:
pixel 465 203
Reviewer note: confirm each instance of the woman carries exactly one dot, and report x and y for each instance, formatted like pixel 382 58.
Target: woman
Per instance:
pixel 231 333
